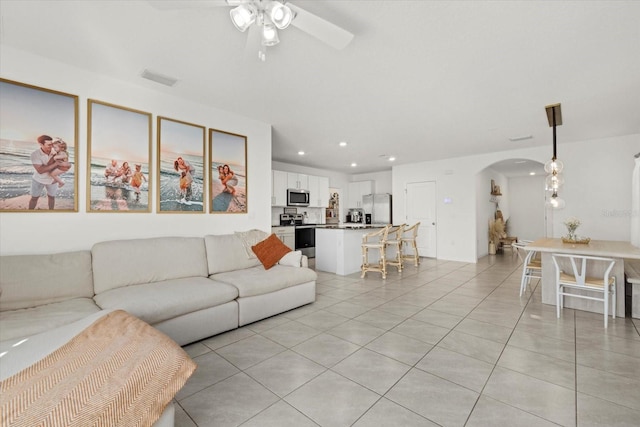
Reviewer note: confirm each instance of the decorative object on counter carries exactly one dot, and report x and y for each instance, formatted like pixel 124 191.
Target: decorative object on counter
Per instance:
pixel 554 166
pixel 572 224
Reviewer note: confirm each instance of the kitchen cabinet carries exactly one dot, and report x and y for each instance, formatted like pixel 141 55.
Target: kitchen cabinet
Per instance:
pixel 279 188
pixel 287 235
pixel 358 189
pixel 318 187
pixel 318 191
pixel 297 180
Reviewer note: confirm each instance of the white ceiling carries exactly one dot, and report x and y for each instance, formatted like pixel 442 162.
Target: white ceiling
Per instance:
pixel 421 80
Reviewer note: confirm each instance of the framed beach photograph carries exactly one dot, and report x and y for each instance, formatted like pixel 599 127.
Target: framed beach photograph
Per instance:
pixel 181 167
pixel 119 159
pixel 228 172
pixel 38 149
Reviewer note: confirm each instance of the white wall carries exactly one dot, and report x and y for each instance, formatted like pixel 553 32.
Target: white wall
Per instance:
pixel 33 232
pixel 597 190
pixel 526 206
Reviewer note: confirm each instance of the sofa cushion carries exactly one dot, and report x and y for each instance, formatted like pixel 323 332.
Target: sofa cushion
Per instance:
pixel 225 252
pixel 119 263
pixel 30 321
pixel 33 280
pixel 257 281
pixel 270 251
pixel 155 302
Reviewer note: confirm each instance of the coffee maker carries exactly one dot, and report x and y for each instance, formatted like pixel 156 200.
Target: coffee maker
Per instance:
pixel 355 215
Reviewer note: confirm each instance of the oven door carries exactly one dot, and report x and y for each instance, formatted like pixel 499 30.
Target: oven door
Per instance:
pixel 306 240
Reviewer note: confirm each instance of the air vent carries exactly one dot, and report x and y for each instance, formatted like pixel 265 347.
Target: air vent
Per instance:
pixel 159 78
pixel 520 138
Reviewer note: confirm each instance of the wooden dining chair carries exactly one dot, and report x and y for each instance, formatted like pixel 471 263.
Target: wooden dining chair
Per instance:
pixel 531 266
pixel 575 277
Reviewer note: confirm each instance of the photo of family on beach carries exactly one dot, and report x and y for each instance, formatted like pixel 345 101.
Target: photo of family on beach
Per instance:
pixel 38 134
pixel 119 157
pixel 180 166
pixel 228 172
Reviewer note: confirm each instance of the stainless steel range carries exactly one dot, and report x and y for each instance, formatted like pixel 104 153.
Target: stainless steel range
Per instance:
pixel 305 233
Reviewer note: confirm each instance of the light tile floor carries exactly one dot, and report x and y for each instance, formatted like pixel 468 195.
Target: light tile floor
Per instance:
pixel 447 343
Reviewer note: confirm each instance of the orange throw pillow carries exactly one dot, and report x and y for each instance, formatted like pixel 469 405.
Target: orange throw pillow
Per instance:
pixel 270 250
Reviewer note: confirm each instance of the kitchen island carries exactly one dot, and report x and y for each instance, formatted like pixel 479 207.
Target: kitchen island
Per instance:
pixel 339 250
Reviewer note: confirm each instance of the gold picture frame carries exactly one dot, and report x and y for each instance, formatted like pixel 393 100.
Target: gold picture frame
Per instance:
pixel 118 158
pixel 39 149
pixel 180 167
pixel 228 172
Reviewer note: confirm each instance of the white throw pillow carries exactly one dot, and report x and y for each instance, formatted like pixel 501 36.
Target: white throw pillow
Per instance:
pixel 291 259
pixel 251 238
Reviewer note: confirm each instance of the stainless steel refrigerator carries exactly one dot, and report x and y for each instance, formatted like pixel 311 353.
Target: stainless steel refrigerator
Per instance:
pixel 379 207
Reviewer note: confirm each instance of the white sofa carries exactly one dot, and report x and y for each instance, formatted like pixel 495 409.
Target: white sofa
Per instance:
pixel 189 288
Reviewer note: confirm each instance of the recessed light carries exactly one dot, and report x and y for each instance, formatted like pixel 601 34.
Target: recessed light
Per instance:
pixel 342 144
pixel 532 173
pixel 392 159
pixel 300 153
pixel 353 165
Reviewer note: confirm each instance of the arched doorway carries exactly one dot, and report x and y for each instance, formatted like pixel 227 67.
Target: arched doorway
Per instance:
pixel 520 197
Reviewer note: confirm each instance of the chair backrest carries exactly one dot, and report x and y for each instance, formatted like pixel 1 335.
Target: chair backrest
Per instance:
pixel 411 232
pixel 395 232
pixel 377 235
pixel 578 265
pixel 520 248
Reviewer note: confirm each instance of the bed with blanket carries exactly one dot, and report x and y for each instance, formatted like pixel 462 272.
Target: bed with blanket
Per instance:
pixel 109 368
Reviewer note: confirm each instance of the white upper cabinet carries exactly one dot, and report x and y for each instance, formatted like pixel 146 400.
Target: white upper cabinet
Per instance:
pixel 318 187
pixel 323 192
pixel 298 180
pixel 358 189
pixel 279 188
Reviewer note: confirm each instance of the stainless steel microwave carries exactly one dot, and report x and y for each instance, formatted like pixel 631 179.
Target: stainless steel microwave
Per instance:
pixel 297 197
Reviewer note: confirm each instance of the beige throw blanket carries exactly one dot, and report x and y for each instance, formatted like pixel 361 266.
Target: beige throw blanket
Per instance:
pixel 117 372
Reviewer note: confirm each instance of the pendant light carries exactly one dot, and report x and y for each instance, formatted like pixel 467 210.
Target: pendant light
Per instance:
pixel 554 167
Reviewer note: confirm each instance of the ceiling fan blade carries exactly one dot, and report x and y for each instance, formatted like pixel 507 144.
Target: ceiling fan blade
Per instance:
pixel 321 29
pixel 186 4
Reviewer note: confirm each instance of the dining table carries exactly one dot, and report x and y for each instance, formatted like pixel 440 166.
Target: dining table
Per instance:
pixel 614 249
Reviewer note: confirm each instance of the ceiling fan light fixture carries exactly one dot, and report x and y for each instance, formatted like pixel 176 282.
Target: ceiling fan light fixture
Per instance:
pixel 280 14
pixel 269 35
pixel 243 16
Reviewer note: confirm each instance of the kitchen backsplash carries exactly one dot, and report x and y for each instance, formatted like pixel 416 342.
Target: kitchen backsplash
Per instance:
pixel 314 215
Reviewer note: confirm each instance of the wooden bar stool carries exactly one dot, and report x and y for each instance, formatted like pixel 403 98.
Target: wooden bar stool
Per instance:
pixel 409 236
pixel 375 240
pixel 394 241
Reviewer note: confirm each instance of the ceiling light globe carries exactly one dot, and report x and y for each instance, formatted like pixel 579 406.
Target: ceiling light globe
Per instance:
pixel 556 202
pixel 553 165
pixel 554 181
pixel 269 35
pixel 281 15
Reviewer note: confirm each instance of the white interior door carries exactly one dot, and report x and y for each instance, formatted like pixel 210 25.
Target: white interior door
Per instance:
pixel 421 206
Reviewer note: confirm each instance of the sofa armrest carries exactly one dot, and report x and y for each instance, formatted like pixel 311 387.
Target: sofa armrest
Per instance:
pixel 304 261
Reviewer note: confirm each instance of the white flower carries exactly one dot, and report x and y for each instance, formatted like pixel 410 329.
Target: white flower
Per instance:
pixel 572 222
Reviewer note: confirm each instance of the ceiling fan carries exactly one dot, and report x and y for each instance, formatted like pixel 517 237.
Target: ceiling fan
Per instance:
pixel 266 17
